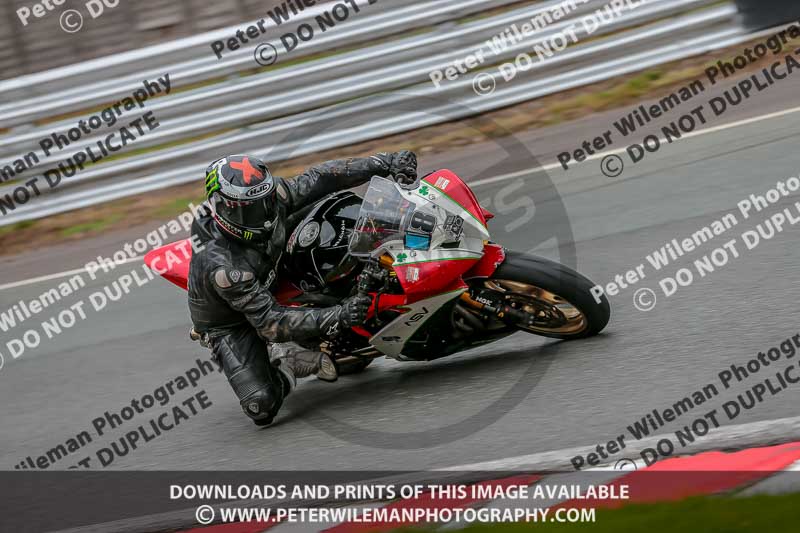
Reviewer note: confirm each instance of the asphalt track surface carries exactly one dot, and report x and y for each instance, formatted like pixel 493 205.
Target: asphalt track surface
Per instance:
pixel 519 396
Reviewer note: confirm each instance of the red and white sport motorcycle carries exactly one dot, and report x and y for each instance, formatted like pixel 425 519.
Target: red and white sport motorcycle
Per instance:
pixel 439 285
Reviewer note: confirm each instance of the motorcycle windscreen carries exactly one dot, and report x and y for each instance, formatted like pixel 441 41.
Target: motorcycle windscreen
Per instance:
pixel 383 217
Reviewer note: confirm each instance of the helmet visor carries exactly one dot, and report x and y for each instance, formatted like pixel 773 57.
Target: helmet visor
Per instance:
pixel 253 214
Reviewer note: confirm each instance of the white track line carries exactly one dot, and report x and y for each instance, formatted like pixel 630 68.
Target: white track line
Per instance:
pixel 714 129
pixel 478 183
pixel 65 274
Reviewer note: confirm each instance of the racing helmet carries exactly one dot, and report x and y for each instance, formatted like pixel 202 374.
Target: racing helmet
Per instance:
pixel 241 193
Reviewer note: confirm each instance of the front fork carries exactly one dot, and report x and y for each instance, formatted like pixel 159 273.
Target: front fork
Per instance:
pixel 485 302
pixel 492 309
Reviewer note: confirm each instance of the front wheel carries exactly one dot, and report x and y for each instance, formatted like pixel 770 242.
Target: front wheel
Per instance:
pixel 554 300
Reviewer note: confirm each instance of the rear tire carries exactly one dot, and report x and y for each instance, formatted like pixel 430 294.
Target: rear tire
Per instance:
pixel 561 281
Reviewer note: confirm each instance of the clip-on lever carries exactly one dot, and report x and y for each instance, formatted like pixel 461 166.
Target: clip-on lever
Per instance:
pixel 372 272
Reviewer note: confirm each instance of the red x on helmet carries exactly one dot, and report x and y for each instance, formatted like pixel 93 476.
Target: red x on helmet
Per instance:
pixel 241 193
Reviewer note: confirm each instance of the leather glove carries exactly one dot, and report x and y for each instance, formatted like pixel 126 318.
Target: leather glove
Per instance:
pixel 404 164
pixel 354 311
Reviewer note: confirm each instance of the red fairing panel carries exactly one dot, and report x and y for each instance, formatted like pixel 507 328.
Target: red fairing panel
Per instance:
pixel 172 262
pixel 426 279
pixel 493 257
pixel 451 185
pixel 423 280
pixel 286 291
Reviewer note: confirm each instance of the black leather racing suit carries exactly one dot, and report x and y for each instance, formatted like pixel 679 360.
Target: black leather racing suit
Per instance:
pixel 229 289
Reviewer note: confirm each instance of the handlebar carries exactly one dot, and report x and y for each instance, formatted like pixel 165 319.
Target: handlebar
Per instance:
pixel 405 181
pixel 372 271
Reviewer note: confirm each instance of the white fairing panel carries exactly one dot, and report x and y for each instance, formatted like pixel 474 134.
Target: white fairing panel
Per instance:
pixel 392 339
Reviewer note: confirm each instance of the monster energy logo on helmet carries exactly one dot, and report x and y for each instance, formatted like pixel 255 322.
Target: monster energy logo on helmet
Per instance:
pixel 212 182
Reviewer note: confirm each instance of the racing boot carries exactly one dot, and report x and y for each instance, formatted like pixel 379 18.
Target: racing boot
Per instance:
pixel 296 362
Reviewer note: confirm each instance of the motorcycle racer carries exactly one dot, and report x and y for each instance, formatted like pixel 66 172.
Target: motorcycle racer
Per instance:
pixel 243 234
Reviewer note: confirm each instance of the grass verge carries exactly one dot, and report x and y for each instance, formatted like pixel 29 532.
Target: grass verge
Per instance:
pixel 757 514
pixel 628 90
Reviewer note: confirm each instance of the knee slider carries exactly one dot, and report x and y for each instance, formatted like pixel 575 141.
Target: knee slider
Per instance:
pixel 262 406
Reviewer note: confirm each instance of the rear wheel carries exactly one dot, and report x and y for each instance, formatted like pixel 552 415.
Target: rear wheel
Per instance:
pixel 554 299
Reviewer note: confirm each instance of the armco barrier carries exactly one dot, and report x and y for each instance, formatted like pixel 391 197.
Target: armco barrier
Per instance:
pixel 760 14
pixel 673 30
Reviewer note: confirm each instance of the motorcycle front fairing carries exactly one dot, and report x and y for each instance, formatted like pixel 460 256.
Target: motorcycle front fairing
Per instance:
pixel 434 234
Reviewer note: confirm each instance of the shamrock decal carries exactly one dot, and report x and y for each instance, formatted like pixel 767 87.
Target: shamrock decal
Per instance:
pixel 401 257
pixel 424 190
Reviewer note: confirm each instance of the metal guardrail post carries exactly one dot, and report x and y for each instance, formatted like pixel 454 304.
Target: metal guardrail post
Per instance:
pixel 18 43
pixel 760 14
